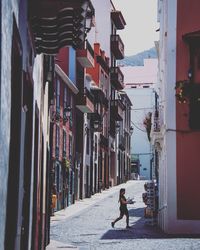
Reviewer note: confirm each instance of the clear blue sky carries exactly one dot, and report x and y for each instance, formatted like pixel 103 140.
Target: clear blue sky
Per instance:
pixel 141 24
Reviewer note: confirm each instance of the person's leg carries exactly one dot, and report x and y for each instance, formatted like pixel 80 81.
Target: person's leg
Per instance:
pixel 127 220
pixel 119 218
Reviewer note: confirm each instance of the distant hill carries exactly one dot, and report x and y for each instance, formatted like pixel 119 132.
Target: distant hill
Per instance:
pixel 138 59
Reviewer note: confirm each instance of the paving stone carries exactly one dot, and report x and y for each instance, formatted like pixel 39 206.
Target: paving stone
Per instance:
pixel 86 225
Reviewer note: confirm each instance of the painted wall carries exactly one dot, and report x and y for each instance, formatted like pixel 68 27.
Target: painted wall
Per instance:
pixel 102 30
pixel 188 144
pixel 167 74
pixel 7 9
pixel 177 180
pixel 135 78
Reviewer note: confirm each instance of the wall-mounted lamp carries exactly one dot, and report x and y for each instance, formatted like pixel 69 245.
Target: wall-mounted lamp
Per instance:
pixel 89 18
pixel 67 113
pixel 190 73
pixel 96 124
pixel 131 130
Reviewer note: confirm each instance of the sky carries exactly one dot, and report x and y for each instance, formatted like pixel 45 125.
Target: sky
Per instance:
pixel 141 24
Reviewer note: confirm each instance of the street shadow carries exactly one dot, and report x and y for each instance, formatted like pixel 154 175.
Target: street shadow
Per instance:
pixel 140 230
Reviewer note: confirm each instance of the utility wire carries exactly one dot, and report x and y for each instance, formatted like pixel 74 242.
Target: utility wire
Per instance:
pixel 138 127
pixel 141 108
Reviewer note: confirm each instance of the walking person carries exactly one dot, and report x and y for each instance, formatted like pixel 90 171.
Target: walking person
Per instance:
pixel 123 208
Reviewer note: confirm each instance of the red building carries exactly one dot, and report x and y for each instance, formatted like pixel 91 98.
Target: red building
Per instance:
pixel 63 127
pixel 177 141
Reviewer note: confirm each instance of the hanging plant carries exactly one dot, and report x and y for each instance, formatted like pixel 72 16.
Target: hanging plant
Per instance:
pixel 66 163
pixel 187 91
pixel 147 123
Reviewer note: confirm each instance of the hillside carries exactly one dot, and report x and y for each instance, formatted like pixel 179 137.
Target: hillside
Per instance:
pixel 137 60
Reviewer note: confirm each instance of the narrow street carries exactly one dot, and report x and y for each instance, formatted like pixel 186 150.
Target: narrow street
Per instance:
pixel 87 225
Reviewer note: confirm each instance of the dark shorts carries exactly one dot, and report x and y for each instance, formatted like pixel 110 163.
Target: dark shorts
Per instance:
pixel 123 211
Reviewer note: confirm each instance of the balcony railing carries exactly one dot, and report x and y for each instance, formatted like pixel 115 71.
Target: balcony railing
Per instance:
pixel 104 63
pixel 117 46
pixel 58 23
pixel 118 19
pixel 117 108
pixel 157 120
pixel 117 78
pixel 85 101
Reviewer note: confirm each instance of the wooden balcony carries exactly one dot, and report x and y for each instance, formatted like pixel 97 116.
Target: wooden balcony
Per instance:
pixel 58 23
pixel 117 78
pixel 117 47
pixel 104 63
pixel 86 56
pixel 118 19
pixel 117 108
pixel 85 101
pixel 99 96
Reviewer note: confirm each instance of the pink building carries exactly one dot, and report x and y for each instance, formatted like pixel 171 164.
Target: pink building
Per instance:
pixel 140 75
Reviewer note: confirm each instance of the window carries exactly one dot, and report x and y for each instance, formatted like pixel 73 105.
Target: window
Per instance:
pixel 101 79
pixel 64 143
pixel 57 140
pixel 95 147
pixel 87 142
pixel 65 97
pixel 70 147
pixel 72 65
pixel 57 94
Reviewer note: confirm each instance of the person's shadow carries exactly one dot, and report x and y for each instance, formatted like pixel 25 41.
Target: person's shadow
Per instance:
pixel 140 229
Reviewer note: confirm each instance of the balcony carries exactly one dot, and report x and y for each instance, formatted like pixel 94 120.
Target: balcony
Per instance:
pixel 58 23
pixel 86 56
pixel 99 95
pixel 156 122
pixel 157 126
pixel 85 101
pixel 117 78
pixel 104 63
pixel 117 46
pixel 118 19
pixel 117 108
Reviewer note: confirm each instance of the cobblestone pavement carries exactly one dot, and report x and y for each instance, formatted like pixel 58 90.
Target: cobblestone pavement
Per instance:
pixel 87 225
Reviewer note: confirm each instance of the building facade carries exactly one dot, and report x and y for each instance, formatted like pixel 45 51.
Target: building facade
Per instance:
pixel 140 83
pixel 59 106
pixel 177 140
pixel 29 42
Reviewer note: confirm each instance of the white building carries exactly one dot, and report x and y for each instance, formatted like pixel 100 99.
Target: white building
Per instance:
pixel 140 83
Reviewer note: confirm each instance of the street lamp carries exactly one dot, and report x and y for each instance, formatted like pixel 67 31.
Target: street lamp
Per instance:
pixel 89 18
